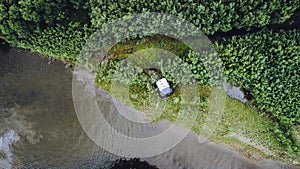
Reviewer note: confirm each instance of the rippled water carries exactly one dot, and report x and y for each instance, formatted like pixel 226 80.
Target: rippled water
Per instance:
pixel 36 104
pixel 39 127
pixel 5 148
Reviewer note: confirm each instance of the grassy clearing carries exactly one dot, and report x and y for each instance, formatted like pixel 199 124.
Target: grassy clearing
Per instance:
pixel 248 129
pixel 124 49
pixel 241 127
pixel 245 129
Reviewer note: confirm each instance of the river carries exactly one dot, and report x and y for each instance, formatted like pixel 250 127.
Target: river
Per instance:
pixel 40 129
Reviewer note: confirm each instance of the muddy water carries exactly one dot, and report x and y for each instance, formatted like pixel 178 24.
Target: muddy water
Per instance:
pixel 39 127
pixel 235 92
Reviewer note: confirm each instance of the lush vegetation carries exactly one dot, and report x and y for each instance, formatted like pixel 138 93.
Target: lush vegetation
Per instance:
pixel 209 16
pixel 50 27
pixel 265 63
pixel 28 22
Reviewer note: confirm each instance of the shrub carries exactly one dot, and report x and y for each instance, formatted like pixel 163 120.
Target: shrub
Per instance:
pixel 60 42
pixel 210 16
pixel 31 24
pixel 267 64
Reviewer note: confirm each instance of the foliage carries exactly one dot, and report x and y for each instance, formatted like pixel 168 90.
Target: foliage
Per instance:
pixel 139 89
pixel 206 67
pixel 175 70
pixel 21 18
pixel 267 64
pixel 31 23
pixel 60 42
pixel 210 16
pixel 45 26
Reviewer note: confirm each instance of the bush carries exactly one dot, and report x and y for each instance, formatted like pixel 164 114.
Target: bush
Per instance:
pixel 267 64
pixel 60 42
pixel 210 16
pixel 21 21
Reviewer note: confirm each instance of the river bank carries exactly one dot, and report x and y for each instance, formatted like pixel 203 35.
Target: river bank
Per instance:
pixel 243 126
pixel 36 103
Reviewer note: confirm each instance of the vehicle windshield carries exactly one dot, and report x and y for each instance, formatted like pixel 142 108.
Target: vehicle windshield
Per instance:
pixel 166 90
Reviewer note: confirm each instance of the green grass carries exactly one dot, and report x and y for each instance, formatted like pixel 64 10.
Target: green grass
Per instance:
pixel 242 120
pixel 124 49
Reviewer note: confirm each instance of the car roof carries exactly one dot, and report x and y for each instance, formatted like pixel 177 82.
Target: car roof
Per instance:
pixel 162 84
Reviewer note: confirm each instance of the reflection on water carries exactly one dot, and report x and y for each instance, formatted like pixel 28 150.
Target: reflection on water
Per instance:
pixel 235 92
pixel 132 163
pixel 5 148
pixel 39 127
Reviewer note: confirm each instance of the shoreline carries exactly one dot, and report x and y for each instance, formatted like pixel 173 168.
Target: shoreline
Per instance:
pixel 265 161
pixel 218 144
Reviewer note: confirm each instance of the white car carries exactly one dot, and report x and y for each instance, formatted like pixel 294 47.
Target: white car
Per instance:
pixel 163 87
